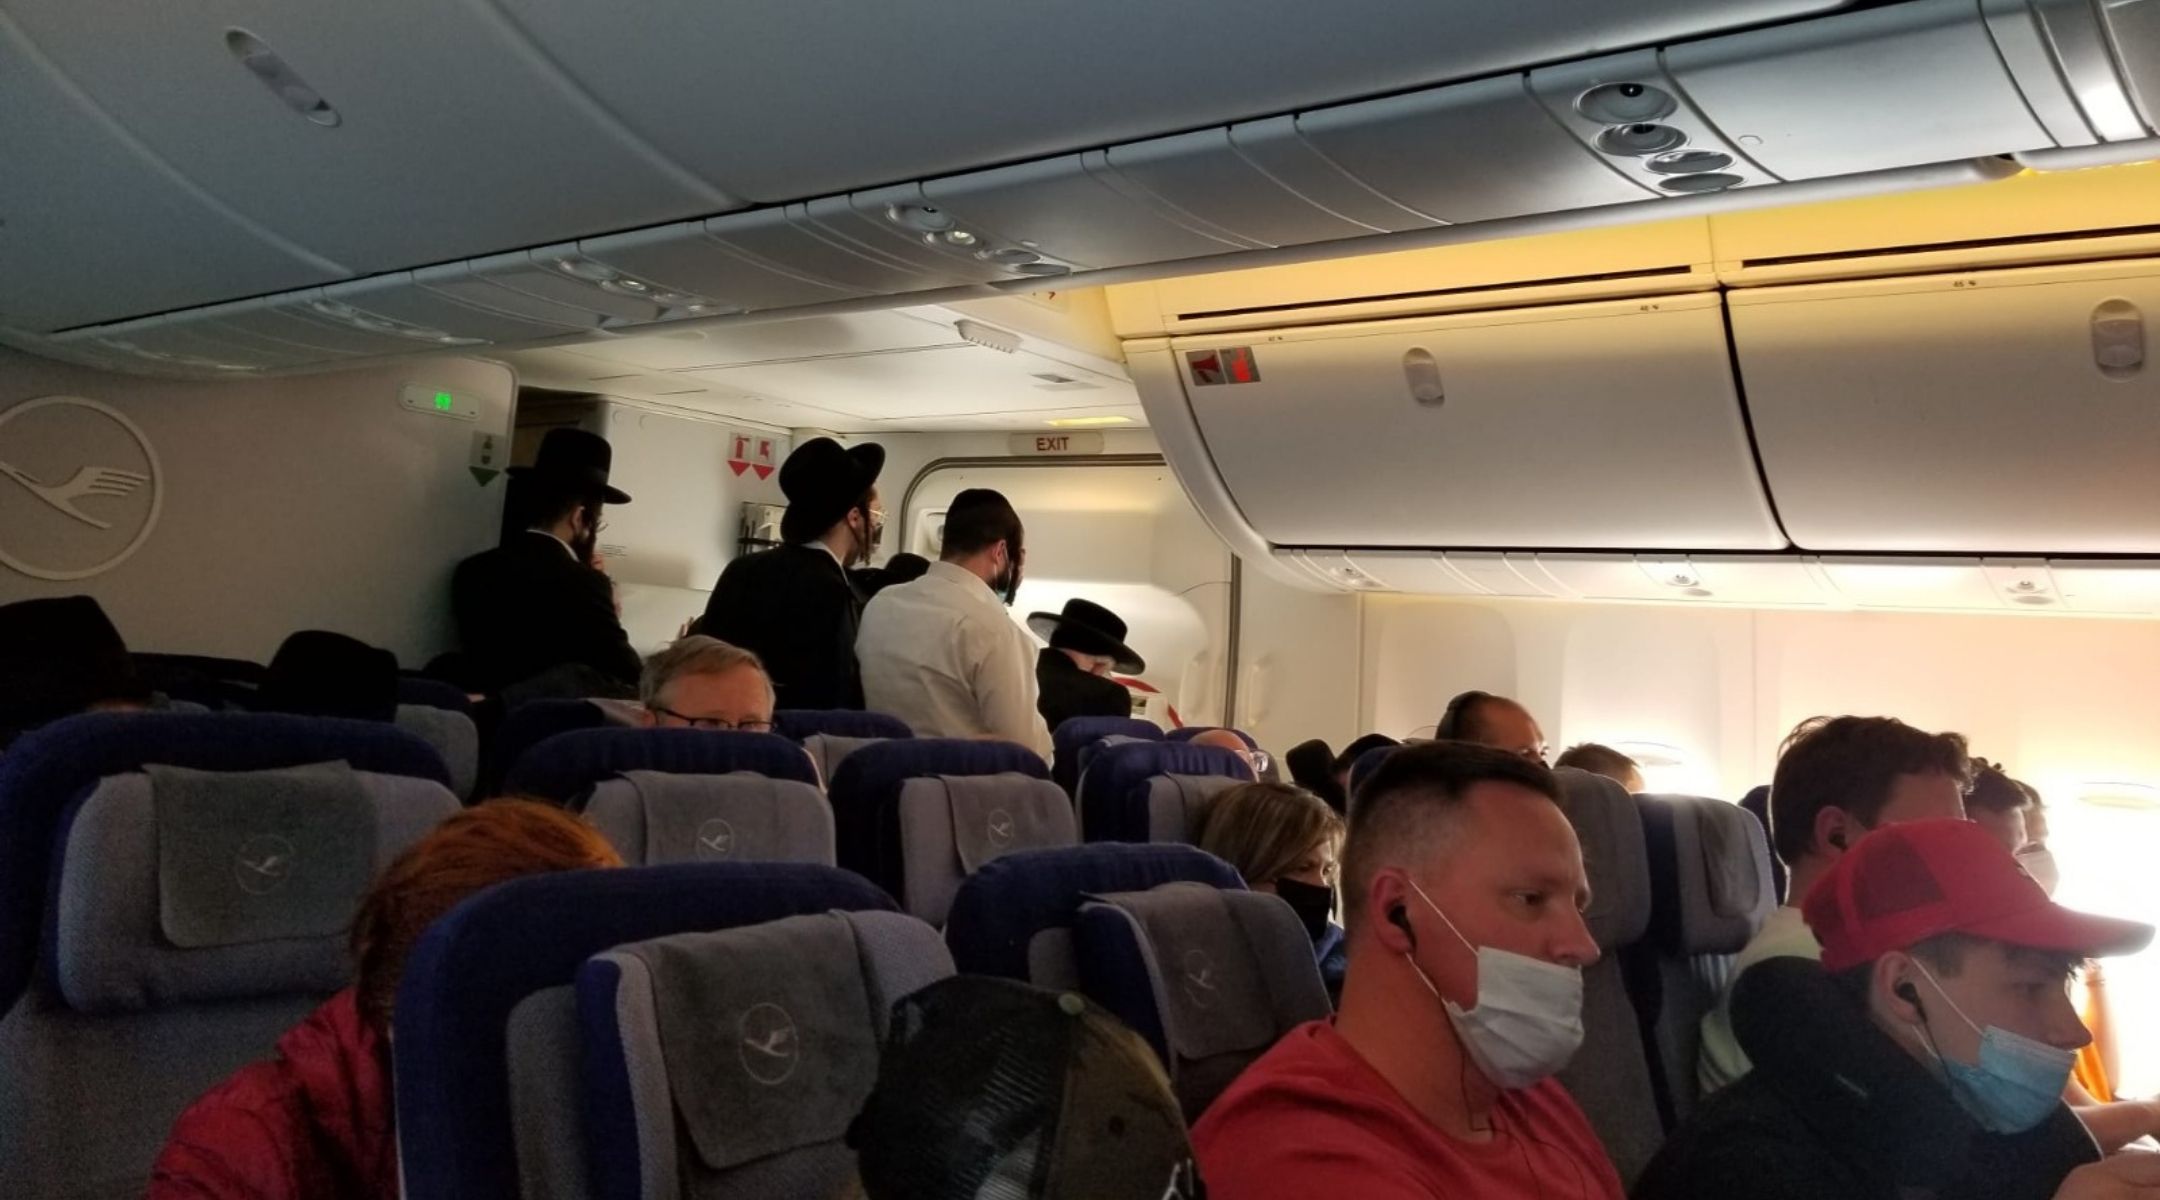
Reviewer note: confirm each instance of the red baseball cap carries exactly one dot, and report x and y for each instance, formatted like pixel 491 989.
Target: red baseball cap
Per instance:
pixel 1905 883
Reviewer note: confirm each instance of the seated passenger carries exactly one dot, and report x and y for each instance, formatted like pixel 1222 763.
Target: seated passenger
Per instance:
pixel 1325 773
pixel 1928 1053
pixel 1072 674
pixel 1998 804
pixel 942 653
pixel 991 1088
pixel 316 1122
pixel 704 683
pixel 320 674
pixel 1836 779
pixel 1286 841
pixel 1256 761
pixel 1464 885
pixel 535 604
pixel 1494 721
pixel 61 657
pixel 1606 761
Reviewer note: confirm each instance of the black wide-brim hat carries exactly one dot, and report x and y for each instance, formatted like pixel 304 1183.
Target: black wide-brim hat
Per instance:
pixel 576 458
pixel 822 480
pixel 321 674
pixel 1089 628
pixel 58 657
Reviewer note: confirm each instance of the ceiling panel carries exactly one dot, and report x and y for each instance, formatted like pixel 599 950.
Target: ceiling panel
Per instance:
pixel 952 381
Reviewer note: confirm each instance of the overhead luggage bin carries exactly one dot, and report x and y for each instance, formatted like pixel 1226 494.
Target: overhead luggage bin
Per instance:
pixel 1991 412
pixel 1593 426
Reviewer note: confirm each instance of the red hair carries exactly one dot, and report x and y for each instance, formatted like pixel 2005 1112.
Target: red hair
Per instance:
pixel 471 851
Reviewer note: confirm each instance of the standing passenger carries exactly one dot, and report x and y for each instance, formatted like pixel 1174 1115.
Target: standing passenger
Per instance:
pixel 535 603
pixel 794 606
pixel 1464 885
pixel 1087 642
pixel 942 653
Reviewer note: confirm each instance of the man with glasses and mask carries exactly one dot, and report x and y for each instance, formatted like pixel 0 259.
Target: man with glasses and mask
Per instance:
pixel 704 683
pixel 1464 889
pixel 795 606
pixel 943 653
pixel 1925 1055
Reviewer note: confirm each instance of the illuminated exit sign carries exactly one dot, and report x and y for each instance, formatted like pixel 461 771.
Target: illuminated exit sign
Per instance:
pixel 439 402
pixel 1056 443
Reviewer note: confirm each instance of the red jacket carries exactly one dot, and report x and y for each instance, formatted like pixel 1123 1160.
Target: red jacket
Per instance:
pixel 314 1123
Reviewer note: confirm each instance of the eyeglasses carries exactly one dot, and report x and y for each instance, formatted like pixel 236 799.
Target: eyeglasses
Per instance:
pixel 1260 761
pixel 715 723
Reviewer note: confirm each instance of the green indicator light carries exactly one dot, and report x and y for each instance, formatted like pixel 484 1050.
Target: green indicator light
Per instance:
pixel 443 402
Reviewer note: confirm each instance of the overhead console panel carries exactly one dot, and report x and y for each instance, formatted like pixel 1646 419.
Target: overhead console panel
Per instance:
pixel 310 147
pixel 1581 426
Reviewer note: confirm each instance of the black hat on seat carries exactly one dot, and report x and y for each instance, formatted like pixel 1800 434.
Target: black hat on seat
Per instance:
pixel 575 458
pixel 321 674
pixel 822 480
pixel 59 657
pixel 1090 629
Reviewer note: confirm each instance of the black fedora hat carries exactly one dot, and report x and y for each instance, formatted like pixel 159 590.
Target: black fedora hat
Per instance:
pixel 321 674
pixel 577 458
pixel 59 657
pixel 1089 628
pixel 822 480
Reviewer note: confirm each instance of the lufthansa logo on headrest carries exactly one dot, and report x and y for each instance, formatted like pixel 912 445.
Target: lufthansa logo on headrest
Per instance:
pixel 1000 828
pixel 264 864
pixel 715 839
pixel 1199 979
pixel 80 488
pixel 769 1050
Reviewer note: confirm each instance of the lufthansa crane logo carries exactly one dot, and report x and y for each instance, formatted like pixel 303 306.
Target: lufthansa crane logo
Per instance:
pixel 80 488
pixel 715 839
pixel 769 1049
pixel 264 864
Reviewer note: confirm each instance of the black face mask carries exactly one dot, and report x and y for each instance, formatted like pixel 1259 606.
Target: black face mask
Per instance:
pixel 1008 585
pixel 1312 903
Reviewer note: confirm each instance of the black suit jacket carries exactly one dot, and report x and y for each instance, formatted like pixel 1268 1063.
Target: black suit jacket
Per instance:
pixel 1063 690
pixel 795 607
pixel 526 607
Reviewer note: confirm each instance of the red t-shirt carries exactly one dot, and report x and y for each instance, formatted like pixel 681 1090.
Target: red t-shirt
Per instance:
pixel 1313 1119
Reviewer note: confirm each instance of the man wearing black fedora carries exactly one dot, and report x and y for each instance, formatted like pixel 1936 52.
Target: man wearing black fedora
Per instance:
pixel 1087 642
pixel 794 605
pixel 536 603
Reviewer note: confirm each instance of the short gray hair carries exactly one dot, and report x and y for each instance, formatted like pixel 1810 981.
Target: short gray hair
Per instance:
pixel 694 655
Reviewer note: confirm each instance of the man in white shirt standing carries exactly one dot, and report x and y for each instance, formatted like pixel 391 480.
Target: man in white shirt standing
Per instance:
pixel 942 653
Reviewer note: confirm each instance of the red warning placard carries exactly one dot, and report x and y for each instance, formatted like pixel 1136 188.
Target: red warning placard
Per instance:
pixel 738 459
pixel 1229 365
pixel 763 463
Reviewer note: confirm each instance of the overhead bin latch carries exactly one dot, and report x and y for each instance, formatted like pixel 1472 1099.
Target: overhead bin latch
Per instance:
pixel 2118 334
pixel 1423 376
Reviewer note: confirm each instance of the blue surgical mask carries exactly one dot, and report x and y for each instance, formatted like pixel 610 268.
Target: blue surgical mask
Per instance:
pixel 2018 1082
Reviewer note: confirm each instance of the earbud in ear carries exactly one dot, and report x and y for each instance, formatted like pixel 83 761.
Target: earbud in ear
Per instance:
pixel 1399 917
pixel 1908 993
pixel 1838 840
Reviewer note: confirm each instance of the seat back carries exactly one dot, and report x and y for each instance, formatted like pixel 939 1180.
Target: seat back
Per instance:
pixel 917 817
pixel 177 892
pixel 801 724
pixel 829 750
pixel 454 737
pixel 1075 734
pixel 1210 977
pixel 1757 802
pixel 433 693
pixel 1153 791
pixel 1014 918
pixel 730 1064
pixel 1610 1076
pixel 487 1054
pixel 685 795
pixel 527 725
pixel 1710 891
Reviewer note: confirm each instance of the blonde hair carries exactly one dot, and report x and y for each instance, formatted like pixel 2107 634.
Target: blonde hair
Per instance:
pixel 695 655
pixel 1263 829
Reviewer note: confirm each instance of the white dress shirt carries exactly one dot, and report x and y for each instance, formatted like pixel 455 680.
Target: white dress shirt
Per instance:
pixel 944 655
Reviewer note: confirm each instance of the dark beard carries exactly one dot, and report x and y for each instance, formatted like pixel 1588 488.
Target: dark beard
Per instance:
pixel 585 546
pixel 1008 586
